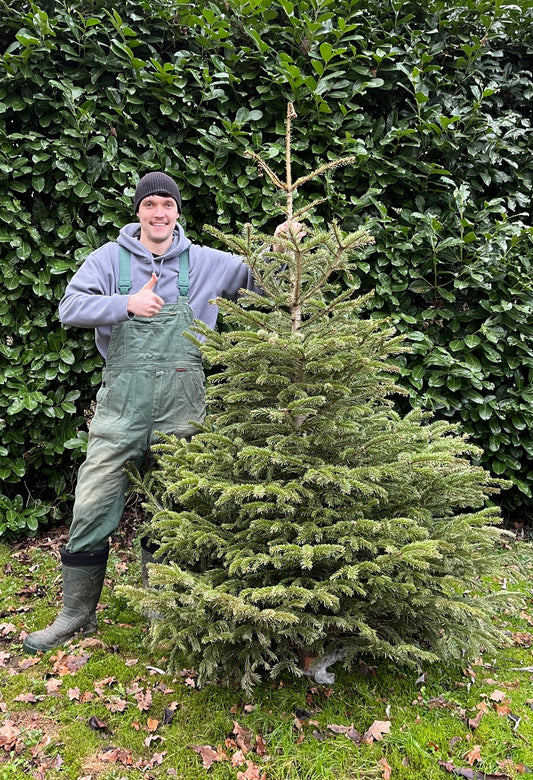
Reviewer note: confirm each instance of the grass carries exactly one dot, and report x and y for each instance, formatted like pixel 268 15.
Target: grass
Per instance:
pixel 104 708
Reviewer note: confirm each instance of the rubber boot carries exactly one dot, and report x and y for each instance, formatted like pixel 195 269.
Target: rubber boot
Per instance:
pixel 148 548
pixel 83 578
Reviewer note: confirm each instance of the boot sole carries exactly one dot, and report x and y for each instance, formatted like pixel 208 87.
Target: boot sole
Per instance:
pixel 33 649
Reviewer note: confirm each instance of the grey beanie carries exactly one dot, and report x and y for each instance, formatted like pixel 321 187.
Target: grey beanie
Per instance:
pixel 156 183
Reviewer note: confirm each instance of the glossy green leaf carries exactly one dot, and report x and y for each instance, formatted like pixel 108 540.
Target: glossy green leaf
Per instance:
pixel 442 177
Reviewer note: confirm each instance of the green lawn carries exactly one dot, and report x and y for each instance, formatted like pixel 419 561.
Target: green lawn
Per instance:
pixel 105 708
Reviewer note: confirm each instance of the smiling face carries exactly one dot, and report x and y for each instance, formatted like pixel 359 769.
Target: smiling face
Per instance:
pixel 157 215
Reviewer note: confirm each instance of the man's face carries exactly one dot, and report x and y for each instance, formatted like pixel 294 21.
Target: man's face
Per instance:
pixel 157 215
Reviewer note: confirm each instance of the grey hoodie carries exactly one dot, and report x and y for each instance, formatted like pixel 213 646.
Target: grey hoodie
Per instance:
pixel 92 298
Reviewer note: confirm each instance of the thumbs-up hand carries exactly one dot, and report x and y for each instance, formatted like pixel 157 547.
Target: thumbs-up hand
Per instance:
pixel 145 303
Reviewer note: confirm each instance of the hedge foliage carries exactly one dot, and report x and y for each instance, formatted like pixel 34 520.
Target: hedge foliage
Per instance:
pixel 433 98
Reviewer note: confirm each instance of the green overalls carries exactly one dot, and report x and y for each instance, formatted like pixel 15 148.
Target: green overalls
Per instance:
pixel 153 381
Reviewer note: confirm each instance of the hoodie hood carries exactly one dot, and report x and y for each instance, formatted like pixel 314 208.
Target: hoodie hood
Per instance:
pixel 129 237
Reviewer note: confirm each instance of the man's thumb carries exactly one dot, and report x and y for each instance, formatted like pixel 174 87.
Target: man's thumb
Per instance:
pixel 150 285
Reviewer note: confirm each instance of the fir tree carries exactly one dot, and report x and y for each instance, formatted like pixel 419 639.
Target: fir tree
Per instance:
pixel 307 516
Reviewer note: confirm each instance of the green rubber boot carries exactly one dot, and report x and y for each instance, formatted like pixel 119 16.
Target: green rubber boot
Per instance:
pixel 146 558
pixel 83 578
pixel 148 548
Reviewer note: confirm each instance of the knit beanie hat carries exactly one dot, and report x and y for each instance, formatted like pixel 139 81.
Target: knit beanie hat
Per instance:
pixel 156 183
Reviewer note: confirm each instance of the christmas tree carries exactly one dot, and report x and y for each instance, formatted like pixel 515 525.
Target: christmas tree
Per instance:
pixel 307 518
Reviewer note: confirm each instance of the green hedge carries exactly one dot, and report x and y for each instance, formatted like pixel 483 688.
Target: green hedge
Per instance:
pixel 434 100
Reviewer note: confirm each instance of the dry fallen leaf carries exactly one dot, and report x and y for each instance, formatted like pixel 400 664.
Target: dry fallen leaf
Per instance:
pixel 260 745
pixel 523 638
pixel 473 755
pixel 243 737
pixel 52 686
pixel 526 617
pixel 157 758
pixel 297 724
pixel 473 723
pixel 471 774
pixel 69 664
pixel 168 716
pixel 101 684
pixel 8 736
pixel 439 702
pixel 253 772
pixel 116 704
pixel 385 768
pixel 497 696
pixel 37 749
pixel 46 763
pixel 116 755
pixel 238 759
pixel 152 738
pixel 28 698
pixel 25 663
pixel 96 724
pixel 208 754
pixel 376 731
pixel 349 731
pixel 4 658
pixel 92 641
pixel 144 700
pixel 502 710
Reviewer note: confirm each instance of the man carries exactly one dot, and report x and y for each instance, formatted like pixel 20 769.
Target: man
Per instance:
pixel 140 294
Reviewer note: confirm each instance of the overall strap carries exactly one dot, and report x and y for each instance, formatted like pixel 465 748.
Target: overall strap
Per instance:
pixel 124 281
pixel 183 276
